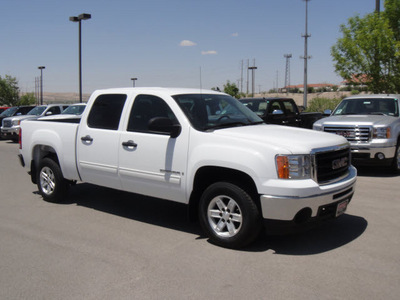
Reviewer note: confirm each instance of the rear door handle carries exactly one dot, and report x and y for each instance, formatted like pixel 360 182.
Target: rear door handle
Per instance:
pixel 87 138
pixel 129 144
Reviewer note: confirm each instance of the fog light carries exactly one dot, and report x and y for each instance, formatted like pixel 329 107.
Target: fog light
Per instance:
pixel 380 156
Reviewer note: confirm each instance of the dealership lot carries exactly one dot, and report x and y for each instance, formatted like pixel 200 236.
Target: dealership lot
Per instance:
pixel 106 244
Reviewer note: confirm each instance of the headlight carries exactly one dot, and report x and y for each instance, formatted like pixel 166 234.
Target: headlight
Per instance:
pixel 293 166
pixel 317 127
pixel 16 122
pixel 381 133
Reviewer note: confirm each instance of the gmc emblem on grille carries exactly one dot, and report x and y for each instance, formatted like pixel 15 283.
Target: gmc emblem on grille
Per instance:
pixel 345 134
pixel 340 163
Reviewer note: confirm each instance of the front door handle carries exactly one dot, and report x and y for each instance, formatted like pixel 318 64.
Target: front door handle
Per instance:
pixel 129 144
pixel 87 138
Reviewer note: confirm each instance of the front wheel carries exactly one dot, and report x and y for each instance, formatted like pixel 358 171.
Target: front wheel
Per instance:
pixel 50 181
pixel 229 215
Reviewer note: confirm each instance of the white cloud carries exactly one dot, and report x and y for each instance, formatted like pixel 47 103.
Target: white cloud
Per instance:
pixel 187 43
pixel 210 52
pixel 235 34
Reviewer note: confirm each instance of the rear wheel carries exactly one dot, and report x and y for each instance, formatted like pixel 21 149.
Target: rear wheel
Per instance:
pixel 50 181
pixel 229 215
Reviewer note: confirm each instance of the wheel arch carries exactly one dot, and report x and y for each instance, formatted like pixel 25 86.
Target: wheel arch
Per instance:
pixel 40 152
pixel 207 175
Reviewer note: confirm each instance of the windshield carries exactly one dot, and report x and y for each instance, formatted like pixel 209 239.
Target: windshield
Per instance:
pixel 37 111
pixel 9 112
pixel 74 110
pixel 209 111
pixel 368 106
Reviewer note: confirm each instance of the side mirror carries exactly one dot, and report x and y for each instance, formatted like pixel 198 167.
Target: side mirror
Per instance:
pixel 49 113
pixel 327 112
pixel 277 112
pixel 165 125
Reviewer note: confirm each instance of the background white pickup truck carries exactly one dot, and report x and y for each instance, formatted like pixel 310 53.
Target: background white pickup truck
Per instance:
pixel 202 148
pixel 371 124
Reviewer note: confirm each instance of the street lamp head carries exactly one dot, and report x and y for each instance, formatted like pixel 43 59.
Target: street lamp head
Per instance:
pixel 41 67
pixel 84 16
pixel 74 19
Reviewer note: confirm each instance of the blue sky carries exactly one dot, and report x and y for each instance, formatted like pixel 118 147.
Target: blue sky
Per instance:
pixel 144 39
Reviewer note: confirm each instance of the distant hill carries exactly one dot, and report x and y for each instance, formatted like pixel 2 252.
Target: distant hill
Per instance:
pixel 49 98
pixel 64 97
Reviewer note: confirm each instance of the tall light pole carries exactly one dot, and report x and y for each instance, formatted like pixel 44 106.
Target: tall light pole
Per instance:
pixel 305 57
pixel 79 19
pixel 41 83
pixel 133 81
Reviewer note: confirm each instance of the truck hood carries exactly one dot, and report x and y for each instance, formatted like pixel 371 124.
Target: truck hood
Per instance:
pixel 24 117
pixel 282 138
pixel 357 120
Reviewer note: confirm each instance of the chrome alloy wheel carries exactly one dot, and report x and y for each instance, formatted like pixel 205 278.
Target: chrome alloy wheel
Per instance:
pixel 224 216
pixel 47 180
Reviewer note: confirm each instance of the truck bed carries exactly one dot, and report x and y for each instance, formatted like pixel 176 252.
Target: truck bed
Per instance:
pixel 58 136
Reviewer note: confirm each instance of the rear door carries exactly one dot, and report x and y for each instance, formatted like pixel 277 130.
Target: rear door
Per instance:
pixel 291 112
pixel 98 141
pixel 275 113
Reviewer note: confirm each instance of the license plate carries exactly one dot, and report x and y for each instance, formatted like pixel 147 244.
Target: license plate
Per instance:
pixel 341 207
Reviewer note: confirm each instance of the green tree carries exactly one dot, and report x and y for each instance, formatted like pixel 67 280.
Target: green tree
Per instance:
pixel 9 90
pixel 27 99
pixel 370 51
pixel 231 89
pixel 392 13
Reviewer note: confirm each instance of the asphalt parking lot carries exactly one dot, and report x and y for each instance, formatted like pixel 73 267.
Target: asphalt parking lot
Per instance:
pixel 106 244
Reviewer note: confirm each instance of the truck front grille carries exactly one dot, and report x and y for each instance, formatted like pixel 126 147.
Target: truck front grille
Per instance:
pixel 332 164
pixel 351 133
pixel 7 123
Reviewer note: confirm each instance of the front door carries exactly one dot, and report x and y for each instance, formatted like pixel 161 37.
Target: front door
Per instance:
pixel 152 163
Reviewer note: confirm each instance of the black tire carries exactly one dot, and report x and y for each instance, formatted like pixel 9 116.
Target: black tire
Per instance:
pixel 396 159
pixel 50 181
pixel 229 215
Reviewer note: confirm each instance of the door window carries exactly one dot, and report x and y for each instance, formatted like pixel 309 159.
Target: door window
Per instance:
pixel 145 108
pixel 106 111
pixel 289 107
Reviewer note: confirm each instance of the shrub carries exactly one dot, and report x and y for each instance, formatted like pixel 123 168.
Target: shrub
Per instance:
pixel 321 104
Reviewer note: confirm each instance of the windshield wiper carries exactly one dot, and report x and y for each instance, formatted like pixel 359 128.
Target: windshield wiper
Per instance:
pixel 377 113
pixel 226 125
pixel 232 124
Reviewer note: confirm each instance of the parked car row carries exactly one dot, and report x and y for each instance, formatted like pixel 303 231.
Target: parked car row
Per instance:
pixel 12 117
pixel 371 123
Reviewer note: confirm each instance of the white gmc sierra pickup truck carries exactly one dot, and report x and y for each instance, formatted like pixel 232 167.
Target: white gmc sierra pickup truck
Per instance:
pixel 202 148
